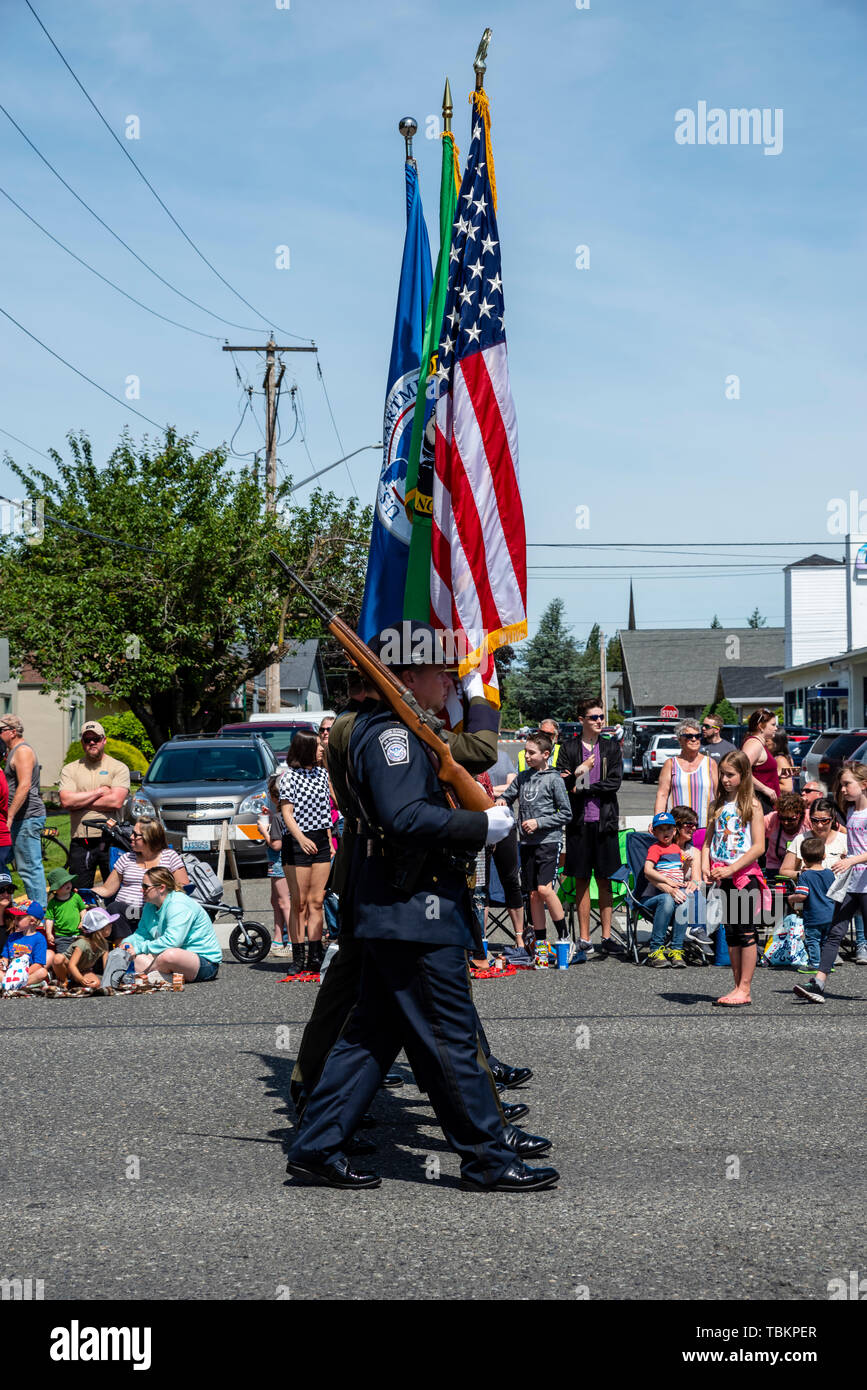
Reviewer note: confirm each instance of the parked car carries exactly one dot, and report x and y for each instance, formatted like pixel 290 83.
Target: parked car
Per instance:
pixel 277 733
pixel 811 759
pixel 801 741
pixel 197 782
pixel 659 750
pixel 637 733
pixel 827 761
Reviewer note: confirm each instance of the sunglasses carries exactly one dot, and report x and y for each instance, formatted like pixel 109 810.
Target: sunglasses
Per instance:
pixel 814 820
pixel 690 735
pixel 87 741
pixel 595 717
pixel 136 835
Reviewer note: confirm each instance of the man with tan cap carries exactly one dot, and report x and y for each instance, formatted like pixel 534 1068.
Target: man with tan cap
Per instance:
pixel 26 813
pixel 94 787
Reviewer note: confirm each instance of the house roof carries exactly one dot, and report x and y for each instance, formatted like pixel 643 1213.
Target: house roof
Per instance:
pixel 749 682
pixel 812 562
pixel 299 664
pixel 681 665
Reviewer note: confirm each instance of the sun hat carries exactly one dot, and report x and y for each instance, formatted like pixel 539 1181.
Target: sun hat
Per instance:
pixel 56 878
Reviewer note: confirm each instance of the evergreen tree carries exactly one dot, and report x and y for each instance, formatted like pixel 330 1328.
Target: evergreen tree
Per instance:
pixel 756 620
pixel 550 678
pixel 716 622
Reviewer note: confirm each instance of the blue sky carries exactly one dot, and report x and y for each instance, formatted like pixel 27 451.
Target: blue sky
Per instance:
pixel 263 127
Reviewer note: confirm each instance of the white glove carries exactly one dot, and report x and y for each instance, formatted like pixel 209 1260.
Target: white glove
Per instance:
pixel 500 822
pixel 471 684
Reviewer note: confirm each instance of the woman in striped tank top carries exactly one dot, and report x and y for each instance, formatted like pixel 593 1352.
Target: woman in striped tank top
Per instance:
pixel 690 778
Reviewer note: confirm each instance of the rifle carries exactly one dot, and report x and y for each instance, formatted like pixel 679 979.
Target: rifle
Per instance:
pixel 465 790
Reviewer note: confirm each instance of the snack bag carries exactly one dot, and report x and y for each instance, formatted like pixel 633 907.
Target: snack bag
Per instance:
pixel 16 975
pixel 786 946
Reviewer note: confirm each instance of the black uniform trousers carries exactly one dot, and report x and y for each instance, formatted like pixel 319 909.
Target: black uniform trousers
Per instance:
pixel 416 996
pixel 335 1000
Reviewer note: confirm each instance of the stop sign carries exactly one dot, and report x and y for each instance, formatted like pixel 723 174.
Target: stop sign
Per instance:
pixel 668 712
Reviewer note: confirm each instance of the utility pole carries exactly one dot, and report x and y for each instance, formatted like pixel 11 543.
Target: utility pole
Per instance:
pixel 603 674
pixel 271 383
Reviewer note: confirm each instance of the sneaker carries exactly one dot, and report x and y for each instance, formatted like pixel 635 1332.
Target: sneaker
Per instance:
pixel 611 946
pixel 861 954
pixel 699 936
pixel 281 952
pixel 658 959
pixel 807 969
pixel 675 958
pixel 812 990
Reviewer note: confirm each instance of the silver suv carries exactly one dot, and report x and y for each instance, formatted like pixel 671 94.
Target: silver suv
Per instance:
pixel 194 784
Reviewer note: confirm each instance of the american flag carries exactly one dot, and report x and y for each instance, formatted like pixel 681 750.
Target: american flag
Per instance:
pixel 478 543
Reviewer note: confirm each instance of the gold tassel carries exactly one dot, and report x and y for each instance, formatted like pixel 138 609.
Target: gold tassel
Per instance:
pixel 447 135
pixel 483 108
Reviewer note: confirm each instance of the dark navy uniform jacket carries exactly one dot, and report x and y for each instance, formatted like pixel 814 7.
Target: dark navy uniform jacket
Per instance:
pixel 403 799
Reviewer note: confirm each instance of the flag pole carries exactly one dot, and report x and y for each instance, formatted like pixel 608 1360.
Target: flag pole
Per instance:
pixel 408 127
pixel 480 62
pixel 448 108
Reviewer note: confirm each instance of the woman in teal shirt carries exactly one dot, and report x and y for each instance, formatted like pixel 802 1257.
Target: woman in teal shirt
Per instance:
pixel 174 935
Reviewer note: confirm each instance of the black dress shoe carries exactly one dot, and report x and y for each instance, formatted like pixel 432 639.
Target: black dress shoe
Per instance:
pixel 514 1112
pixel 357 1146
pixel 333 1172
pixel 518 1177
pixel 392 1078
pixel 523 1144
pixel 509 1076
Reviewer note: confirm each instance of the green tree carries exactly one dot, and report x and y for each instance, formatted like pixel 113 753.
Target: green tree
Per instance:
pixel 726 712
pixel 716 622
pixel 756 620
pixel 129 729
pixel 549 679
pixel 614 655
pixel 186 606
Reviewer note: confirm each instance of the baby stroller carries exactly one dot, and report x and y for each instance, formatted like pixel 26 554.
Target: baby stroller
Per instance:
pixel 249 942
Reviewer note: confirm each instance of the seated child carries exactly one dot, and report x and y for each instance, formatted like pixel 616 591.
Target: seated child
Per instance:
pixel 812 892
pixel 29 937
pixel 65 911
pixel 689 837
pixel 674 874
pixel 86 962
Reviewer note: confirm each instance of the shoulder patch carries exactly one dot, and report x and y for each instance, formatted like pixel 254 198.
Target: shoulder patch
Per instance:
pixel 395 745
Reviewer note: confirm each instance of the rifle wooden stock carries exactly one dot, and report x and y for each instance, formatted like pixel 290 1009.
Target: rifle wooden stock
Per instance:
pixel 468 793
pixel 465 790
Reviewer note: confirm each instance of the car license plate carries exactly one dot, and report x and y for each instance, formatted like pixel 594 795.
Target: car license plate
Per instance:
pixel 195 844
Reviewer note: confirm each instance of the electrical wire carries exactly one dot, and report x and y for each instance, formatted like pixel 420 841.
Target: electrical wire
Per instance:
pixel 82 531
pixel 126 405
pixel 245 328
pixel 334 423
pixel 24 444
pixel 131 297
pixel 148 183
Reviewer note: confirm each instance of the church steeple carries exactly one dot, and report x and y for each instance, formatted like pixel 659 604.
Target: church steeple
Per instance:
pixel 631 623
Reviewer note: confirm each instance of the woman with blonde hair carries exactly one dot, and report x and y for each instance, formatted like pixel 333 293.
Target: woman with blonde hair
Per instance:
pixel 729 861
pixel 175 934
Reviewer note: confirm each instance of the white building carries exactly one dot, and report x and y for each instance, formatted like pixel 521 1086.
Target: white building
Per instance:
pixel 825 677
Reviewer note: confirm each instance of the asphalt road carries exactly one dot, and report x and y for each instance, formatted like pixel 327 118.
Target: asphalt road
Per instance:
pixel 144 1148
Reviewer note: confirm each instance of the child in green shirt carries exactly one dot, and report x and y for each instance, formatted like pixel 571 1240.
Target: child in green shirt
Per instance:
pixel 65 911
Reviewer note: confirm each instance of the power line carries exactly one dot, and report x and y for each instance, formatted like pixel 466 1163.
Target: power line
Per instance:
pixel 186 327
pixel 24 444
pixel 81 530
pixel 126 405
pixel 148 183
pixel 334 423
pixel 660 545
pixel 118 238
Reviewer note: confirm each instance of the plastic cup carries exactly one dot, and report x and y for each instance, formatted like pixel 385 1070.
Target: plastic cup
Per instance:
pixel 562 949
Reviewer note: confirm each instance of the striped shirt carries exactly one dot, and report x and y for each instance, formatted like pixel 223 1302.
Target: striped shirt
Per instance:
pixel 692 789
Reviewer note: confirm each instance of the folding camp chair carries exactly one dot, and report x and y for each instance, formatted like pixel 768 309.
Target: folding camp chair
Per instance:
pixel 566 893
pixel 637 889
pixel 491 901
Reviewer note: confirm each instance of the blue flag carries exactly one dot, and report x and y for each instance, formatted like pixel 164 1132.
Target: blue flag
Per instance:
pixel 391 531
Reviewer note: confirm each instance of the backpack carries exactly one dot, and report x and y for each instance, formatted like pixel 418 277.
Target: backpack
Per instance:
pixel 206 888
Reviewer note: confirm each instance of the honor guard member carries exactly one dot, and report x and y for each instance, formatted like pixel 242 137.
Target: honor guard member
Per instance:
pixel 475 748
pixel 411 907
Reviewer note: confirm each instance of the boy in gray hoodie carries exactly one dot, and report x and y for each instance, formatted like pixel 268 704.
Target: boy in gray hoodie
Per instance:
pixel 543 810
